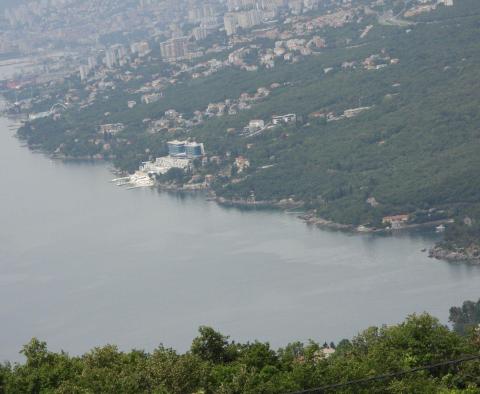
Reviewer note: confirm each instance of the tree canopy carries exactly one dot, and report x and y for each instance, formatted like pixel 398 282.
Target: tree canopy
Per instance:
pixel 216 365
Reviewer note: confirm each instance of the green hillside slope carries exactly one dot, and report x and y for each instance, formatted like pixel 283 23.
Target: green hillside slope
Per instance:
pixel 416 148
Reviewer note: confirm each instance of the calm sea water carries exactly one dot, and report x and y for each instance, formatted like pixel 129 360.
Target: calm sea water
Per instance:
pixel 84 263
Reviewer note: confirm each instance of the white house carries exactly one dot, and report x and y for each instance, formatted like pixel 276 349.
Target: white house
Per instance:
pixel 285 119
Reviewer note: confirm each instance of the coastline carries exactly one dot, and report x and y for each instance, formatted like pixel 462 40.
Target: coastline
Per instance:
pixel 287 203
pixel 470 255
pixel 309 217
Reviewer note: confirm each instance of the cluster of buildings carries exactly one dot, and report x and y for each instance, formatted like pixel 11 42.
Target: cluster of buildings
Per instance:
pixel 164 21
pixel 290 50
pixel 174 28
pixel 162 165
pixel 242 20
pixel 203 13
pixel 426 6
pixel 39 25
pixel 301 25
pixel 180 155
pixel 257 126
pixel 379 61
pixel 172 121
pixel 244 102
pixel 396 221
pixel 172 50
pixel 117 55
pixel 331 116
pixel 87 21
pixel 111 129
pixel 246 14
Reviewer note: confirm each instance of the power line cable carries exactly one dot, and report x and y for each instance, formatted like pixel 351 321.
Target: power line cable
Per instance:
pixel 387 375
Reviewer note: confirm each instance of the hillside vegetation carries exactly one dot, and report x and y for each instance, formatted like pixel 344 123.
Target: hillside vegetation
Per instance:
pixel 417 148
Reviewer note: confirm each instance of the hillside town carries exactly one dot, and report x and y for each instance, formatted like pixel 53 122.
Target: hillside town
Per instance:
pixel 248 35
pixel 167 46
pixel 197 39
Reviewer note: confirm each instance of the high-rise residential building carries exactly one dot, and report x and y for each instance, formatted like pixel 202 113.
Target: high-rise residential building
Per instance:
pixel 110 58
pixel 236 5
pixel 248 19
pixel 120 52
pixel 174 49
pixel 244 20
pixel 200 33
pixel 84 71
pixel 295 6
pixel 92 62
pixel 230 24
pixel 270 4
pixel 195 14
pixel 208 10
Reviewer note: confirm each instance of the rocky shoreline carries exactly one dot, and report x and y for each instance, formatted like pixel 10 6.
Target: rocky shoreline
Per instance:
pixel 287 203
pixel 461 255
pixel 311 219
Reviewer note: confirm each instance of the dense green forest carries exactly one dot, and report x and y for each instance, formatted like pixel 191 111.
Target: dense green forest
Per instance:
pixel 415 151
pixel 215 364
